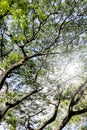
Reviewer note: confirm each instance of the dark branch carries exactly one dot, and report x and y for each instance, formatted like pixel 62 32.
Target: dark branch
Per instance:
pixel 51 119
pixel 11 105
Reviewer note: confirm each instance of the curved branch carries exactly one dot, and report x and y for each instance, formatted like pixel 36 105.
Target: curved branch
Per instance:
pixel 20 63
pixel 70 112
pixel 51 119
pixel 79 112
pixel 69 116
pixel 11 105
pixel 64 122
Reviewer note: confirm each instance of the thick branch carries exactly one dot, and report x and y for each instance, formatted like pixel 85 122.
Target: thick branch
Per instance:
pixel 64 122
pixel 17 65
pixel 71 113
pixel 75 100
pixel 8 71
pixel 68 117
pixel 79 112
pixel 9 105
pixel 51 119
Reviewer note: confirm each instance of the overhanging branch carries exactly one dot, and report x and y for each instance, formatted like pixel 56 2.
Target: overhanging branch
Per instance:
pixel 12 105
pixel 51 119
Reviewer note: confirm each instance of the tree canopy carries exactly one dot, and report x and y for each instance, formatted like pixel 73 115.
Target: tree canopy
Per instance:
pixel 39 41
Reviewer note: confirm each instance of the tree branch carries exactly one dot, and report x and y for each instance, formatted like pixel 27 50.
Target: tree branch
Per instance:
pixel 70 112
pixel 65 121
pixel 51 119
pixel 79 112
pixel 17 65
pixel 11 105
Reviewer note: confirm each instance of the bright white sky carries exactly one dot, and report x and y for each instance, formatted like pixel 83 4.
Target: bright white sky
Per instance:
pixel 1 127
pixel 73 68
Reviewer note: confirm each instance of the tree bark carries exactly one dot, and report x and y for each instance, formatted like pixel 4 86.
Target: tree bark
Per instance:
pixel 64 122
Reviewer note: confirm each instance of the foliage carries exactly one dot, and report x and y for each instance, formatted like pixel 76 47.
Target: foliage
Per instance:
pixel 38 40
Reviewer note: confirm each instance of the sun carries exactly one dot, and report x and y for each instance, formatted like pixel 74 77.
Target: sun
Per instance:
pixel 73 69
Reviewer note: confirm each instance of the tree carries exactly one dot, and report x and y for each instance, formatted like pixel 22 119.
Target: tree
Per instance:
pixel 32 35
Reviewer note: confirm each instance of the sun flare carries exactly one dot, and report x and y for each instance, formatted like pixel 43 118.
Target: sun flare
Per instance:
pixel 73 69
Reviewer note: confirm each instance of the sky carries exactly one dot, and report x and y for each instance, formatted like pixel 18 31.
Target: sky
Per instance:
pixel 1 127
